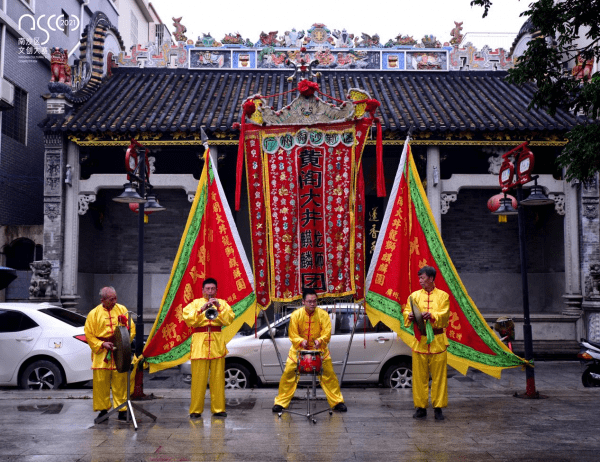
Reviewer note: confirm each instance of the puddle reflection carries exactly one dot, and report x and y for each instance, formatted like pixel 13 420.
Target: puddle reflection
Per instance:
pixel 240 403
pixel 42 408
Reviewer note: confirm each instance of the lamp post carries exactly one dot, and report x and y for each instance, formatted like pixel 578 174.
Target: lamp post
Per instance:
pixel 138 173
pixel 514 173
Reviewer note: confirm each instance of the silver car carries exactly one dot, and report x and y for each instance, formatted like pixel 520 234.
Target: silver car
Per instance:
pixel 377 354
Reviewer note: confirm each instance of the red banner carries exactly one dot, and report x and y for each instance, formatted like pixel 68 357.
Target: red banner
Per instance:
pixel 303 203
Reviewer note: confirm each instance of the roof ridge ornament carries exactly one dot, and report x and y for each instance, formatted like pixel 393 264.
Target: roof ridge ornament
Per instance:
pixel 303 67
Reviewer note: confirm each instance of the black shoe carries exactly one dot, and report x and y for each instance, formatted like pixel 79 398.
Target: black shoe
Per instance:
pixel 122 415
pixel 195 415
pixel 421 412
pixel 438 413
pixel 102 414
pixel 341 407
pixel 220 414
pixel 277 408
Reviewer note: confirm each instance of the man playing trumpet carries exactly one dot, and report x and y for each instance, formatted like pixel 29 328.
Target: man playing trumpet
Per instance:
pixel 207 316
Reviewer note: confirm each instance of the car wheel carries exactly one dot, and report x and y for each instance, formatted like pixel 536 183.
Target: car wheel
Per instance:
pixel 41 375
pixel 236 376
pixel 398 376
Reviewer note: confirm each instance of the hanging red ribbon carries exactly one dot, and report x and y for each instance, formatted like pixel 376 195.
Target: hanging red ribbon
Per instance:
pixel 248 109
pixel 371 106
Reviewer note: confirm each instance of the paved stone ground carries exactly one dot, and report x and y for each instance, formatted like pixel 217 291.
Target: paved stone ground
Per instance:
pixel 484 422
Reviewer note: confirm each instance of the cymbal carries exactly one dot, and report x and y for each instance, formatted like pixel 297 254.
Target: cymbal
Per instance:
pixel 122 352
pixel 420 323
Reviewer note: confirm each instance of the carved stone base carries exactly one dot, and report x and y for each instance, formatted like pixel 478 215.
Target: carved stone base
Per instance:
pixel 70 302
pixel 52 301
pixel 592 315
pixel 573 302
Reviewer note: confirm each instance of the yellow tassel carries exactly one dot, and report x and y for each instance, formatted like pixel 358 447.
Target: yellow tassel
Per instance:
pixel 502 219
pixel 145 218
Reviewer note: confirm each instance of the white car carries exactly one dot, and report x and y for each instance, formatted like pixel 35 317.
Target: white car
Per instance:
pixel 42 346
pixel 377 354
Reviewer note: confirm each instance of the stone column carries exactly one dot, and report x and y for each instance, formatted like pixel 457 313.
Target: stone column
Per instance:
pixel 567 205
pixel 54 176
pixel 590 257
pixel 434 184
pixel 69 296
pixel 53 204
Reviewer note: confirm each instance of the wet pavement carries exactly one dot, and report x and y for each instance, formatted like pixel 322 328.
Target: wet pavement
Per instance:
pixel 484 422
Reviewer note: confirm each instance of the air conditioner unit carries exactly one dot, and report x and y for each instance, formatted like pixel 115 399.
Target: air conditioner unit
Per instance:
pixel 7 95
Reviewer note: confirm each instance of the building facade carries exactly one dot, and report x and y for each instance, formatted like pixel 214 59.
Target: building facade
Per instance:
pixel 461 114
pixel 29 31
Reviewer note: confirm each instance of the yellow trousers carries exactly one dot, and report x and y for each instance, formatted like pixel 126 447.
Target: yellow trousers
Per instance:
pixel 200 376
pixel 104 381
pixel 422 366
pixel 289 382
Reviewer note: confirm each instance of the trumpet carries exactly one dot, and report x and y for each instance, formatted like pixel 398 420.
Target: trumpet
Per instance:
pixel 211 312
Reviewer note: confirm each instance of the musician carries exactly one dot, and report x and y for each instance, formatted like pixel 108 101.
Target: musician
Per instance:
pixel 309 329
pixel 434 304
pixel 99 330
pixel 208 349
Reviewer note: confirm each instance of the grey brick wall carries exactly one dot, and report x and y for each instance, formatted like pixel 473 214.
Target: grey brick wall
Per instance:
pixel 21 166
pixel 109 235
pixel 477 242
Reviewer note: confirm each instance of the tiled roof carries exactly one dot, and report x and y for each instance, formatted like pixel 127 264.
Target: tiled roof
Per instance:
pixel 171 100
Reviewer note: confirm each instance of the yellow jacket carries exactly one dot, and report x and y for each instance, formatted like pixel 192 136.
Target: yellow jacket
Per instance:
pixel 207 345
pixel 436 302
pixel 309 327
pixel 100 327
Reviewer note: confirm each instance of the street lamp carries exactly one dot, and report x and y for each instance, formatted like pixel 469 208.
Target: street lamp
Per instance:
pixel 138 173
pixel 514 173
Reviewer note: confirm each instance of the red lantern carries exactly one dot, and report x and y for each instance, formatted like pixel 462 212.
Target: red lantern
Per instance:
pixel 494 203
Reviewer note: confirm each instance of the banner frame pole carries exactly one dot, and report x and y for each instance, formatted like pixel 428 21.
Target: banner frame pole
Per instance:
pixel 360 306
pixel 273 339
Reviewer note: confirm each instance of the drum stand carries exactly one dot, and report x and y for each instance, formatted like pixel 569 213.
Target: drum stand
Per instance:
pixel 309 415
pixel 127 405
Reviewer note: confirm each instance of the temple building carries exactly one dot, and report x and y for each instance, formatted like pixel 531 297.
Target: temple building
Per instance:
pixel 451 98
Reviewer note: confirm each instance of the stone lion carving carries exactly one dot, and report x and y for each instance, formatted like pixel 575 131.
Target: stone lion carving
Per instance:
pixel 42 284
pixel 592 281
pixel 59 66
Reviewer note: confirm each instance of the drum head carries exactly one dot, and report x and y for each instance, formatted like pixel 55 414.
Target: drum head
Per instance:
pixel 419 322
pixel 122 351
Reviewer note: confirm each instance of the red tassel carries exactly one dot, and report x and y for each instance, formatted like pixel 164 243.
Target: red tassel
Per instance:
pixel 417 332
pixel 240 164
pixel 379 156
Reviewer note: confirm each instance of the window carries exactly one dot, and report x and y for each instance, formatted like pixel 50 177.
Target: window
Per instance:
pixel 15 321
pixel 14 121
pixel 280 331
pixel 134 29
pixel 69 317
pixel 65 22
pixel 345 323
pixel 161 33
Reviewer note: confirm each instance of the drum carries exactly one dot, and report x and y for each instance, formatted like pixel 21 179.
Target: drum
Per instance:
pixel 309 362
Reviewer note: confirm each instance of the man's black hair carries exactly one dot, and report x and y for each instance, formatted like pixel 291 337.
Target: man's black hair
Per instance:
pixel 429 272
pixel 308 291
pixel 209 281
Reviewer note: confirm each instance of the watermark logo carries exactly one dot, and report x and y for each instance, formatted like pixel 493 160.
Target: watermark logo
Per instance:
pixel 53 23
